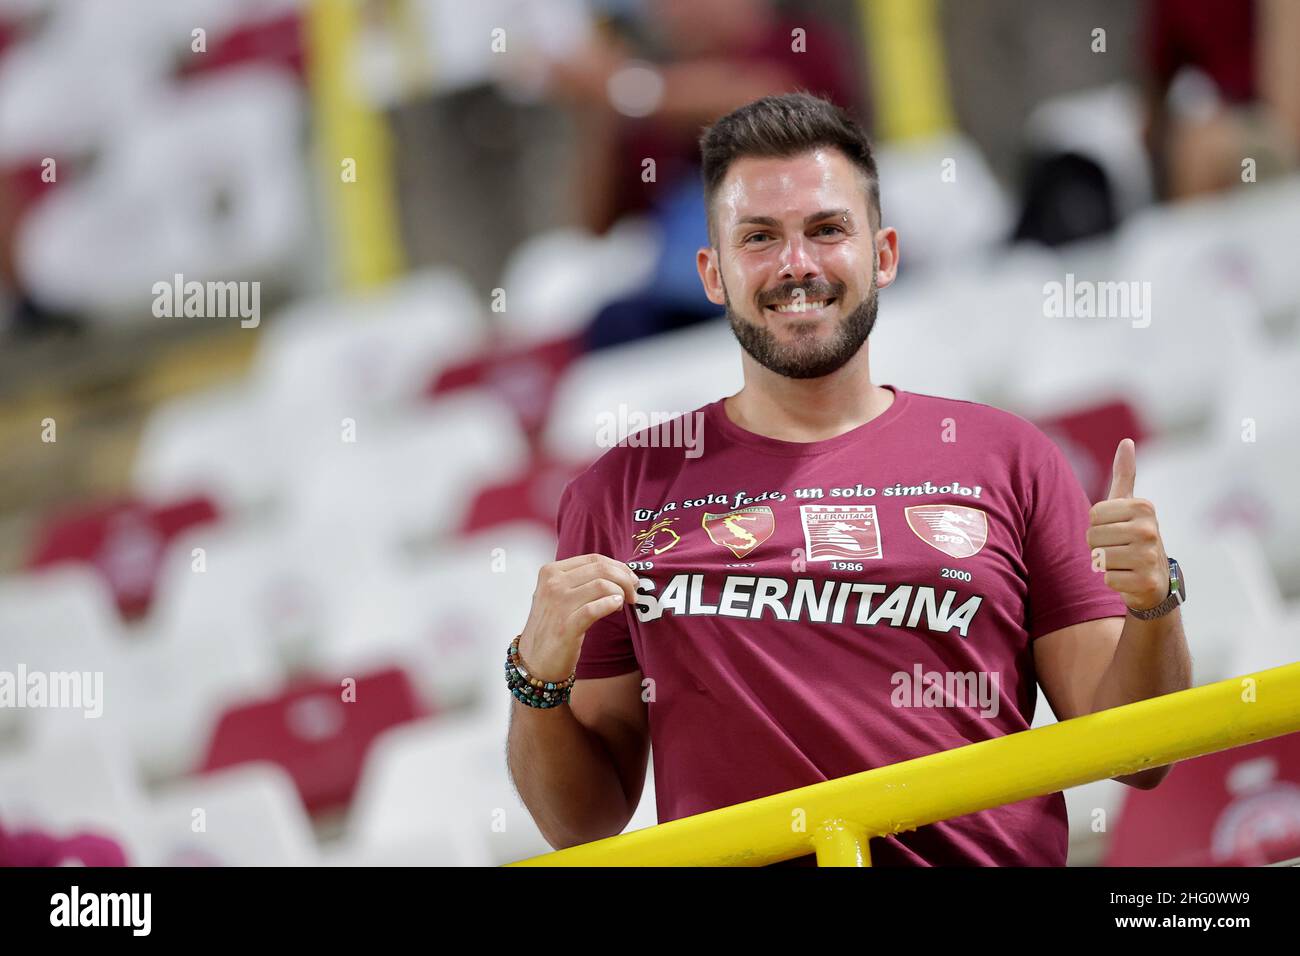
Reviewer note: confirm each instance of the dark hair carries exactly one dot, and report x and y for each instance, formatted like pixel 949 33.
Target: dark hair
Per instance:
pixel 782 126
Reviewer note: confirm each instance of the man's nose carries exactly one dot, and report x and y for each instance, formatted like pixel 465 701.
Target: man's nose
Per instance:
pixel 797 261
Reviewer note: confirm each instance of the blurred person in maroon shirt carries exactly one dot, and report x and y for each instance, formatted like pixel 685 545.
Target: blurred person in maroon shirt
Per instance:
pixel 1199 132
pixel 712 57
pixel 698 61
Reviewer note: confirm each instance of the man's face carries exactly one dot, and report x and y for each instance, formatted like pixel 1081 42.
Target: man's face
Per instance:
pixel 796 262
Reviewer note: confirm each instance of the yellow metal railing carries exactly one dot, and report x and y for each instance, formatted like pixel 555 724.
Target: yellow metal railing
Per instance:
pixel 836 818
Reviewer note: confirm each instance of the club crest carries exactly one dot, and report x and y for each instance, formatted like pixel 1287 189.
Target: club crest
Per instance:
pixel 742 530
pixel 956 530
pixel 840 532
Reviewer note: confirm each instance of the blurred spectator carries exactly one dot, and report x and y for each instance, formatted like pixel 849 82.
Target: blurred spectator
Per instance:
pixel 1222 85
pixel 702 61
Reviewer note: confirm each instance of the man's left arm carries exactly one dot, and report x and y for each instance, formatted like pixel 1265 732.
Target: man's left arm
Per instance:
pixel 1109 662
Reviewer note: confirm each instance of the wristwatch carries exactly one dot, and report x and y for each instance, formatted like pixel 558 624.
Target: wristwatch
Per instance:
pixel 1177 595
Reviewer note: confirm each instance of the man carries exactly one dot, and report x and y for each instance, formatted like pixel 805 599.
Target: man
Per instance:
pixel 851 574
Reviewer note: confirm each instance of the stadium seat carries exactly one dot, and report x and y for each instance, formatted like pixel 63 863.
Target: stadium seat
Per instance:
pixel 60 619
pixel 347 355
pixel 666 375
pixel 248 815
pixel 1156 360
pixel 208 184
pixel 35 846
pixel 78 783
pixel 446 616
pixel 1237 807
pixel 944 200
pixel 428 776
pixel 318 730
pixel 1257 428
pixel 276 39
pixel 123 541
pixel 533 496
pixel 1244 238
pixel 1232 599
pixel 215 442
pixel 525 378
pixel 407 478
pixel 1089 437
pixel 176 684
pixel 67 86
pixel 965 331
pixel 449 31
pixel 1271 647
pixel 262 584
pixel 556 282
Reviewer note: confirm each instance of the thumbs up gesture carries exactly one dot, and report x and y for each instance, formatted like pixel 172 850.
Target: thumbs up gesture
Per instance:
pixel 1125 539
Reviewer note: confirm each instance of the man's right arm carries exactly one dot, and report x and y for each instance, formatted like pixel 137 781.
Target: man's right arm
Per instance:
pixel 578 767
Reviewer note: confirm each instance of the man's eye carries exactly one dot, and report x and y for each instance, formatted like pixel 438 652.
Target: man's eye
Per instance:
pixel 829 226
pixel 755 234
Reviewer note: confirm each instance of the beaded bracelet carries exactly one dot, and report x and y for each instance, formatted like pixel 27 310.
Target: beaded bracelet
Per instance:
pixel 527 689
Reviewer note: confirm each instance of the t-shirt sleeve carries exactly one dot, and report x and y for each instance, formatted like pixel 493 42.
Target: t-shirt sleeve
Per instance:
pixel 1063 587
pixel 607 649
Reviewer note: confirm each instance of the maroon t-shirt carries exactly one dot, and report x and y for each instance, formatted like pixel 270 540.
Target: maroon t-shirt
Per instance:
pixel 813 610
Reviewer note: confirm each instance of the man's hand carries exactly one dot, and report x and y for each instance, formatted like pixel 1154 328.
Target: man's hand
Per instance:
pixel 1125 539
pixel 571 595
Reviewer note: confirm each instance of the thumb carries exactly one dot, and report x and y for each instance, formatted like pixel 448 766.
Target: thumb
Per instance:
pixel 1125 470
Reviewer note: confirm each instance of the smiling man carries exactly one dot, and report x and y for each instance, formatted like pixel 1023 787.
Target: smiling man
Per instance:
pixel 849 571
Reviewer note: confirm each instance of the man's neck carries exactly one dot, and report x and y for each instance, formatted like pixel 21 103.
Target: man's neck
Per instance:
pixel 807 410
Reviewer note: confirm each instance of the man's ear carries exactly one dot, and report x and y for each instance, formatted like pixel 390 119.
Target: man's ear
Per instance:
pixel 706 261
pixel 886 256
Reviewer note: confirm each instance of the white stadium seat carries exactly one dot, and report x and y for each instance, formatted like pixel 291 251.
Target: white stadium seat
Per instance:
pixel 319 361
pixel 248 815
pixel 962 333
pixel 554 283
pixel 404 478
pixel 424 778
pixel 450 32
pixel 263 585
pixel 207 184
pixel 1257 429
pixel 446 617
pixel 69 87
pixel 1245 238
pixel 86 783
pixel 349 354
pixel 667 375
pixel 214 442
pixel 61 619
pixel 1157 360
pixel 943 199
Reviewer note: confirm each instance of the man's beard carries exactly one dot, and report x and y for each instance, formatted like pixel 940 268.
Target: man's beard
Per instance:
pixel 805 360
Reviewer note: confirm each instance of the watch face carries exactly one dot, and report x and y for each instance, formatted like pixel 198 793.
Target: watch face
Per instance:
pixel 1176 583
